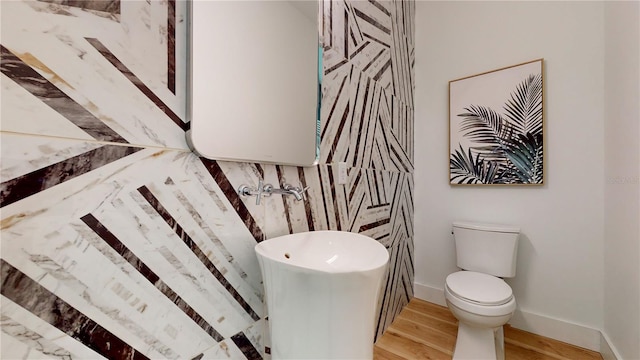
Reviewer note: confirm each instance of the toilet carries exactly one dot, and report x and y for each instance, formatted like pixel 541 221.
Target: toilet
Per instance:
pixel 477 296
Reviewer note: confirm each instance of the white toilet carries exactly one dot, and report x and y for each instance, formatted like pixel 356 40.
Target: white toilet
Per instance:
pixel 477 296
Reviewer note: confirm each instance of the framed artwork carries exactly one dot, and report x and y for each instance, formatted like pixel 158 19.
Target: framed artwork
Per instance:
pixel 496 127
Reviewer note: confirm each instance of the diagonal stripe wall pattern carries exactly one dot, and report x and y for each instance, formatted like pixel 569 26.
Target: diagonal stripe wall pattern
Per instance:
pixel 117 242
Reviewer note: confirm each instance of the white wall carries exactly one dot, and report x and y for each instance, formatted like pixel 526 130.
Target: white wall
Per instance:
pixel 560 264
pixel 622 181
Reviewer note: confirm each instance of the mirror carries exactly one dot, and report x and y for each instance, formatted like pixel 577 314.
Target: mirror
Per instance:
pixel 254 81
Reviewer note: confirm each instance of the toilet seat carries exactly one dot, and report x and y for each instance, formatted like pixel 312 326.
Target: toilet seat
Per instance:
pixel 479 288
pixel 479 294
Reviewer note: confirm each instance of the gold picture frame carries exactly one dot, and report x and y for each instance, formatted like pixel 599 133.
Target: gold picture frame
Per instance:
pixel 496 127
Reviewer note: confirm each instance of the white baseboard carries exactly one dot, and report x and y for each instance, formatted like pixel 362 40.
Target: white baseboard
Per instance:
pixel 561 330
pixel 607 351
pixel 430 294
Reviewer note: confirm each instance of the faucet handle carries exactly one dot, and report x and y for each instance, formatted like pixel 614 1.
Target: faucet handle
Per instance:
pixel 303 192
pixel 259 191
pixel 246 190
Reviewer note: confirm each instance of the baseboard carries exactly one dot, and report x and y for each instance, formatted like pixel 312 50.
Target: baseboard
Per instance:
pixel 430 294
pixel 607 351
pixel 561 330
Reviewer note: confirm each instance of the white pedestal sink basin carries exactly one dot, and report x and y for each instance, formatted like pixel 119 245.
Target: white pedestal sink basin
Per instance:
pixel 322 291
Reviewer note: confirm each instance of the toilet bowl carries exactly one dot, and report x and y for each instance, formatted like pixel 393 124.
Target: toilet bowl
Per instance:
pixel 483 304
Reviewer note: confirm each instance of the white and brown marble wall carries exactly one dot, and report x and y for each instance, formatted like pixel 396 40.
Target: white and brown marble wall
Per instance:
pixel 116 241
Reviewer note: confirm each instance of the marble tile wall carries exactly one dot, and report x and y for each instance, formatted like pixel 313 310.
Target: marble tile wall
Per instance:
pixel 117 242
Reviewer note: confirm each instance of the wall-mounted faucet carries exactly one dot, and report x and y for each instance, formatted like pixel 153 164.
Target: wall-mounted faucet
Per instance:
pixel 268 189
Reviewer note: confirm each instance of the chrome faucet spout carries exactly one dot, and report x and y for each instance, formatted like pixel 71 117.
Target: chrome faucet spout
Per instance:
pixel 286 189
pixel 295 191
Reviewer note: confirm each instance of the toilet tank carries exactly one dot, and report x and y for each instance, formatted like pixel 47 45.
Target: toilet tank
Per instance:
pixel 486 248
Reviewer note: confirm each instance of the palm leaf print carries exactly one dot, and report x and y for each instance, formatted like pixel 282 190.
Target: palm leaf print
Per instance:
pixel 506 148
pixel 524 109
pixel 469 170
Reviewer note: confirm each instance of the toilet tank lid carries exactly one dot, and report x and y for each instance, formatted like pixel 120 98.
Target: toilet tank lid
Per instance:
pixel 486 227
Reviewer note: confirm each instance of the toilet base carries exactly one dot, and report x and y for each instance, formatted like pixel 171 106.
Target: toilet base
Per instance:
pixel 475 343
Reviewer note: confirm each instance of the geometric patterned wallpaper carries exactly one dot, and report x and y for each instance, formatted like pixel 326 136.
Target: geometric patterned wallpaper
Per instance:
pixel 118 242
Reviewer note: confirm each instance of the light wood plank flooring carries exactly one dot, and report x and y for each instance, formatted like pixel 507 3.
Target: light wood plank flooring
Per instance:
pixel 428 331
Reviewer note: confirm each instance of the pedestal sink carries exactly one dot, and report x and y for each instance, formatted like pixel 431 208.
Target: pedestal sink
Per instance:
pixel 322 290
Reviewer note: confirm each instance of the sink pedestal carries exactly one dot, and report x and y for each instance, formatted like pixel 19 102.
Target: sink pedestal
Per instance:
pixel 322 291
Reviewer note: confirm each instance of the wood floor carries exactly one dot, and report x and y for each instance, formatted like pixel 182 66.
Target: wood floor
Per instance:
pixel 428 331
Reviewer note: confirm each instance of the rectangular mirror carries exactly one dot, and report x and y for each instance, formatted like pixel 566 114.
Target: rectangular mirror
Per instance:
pixel 254 81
